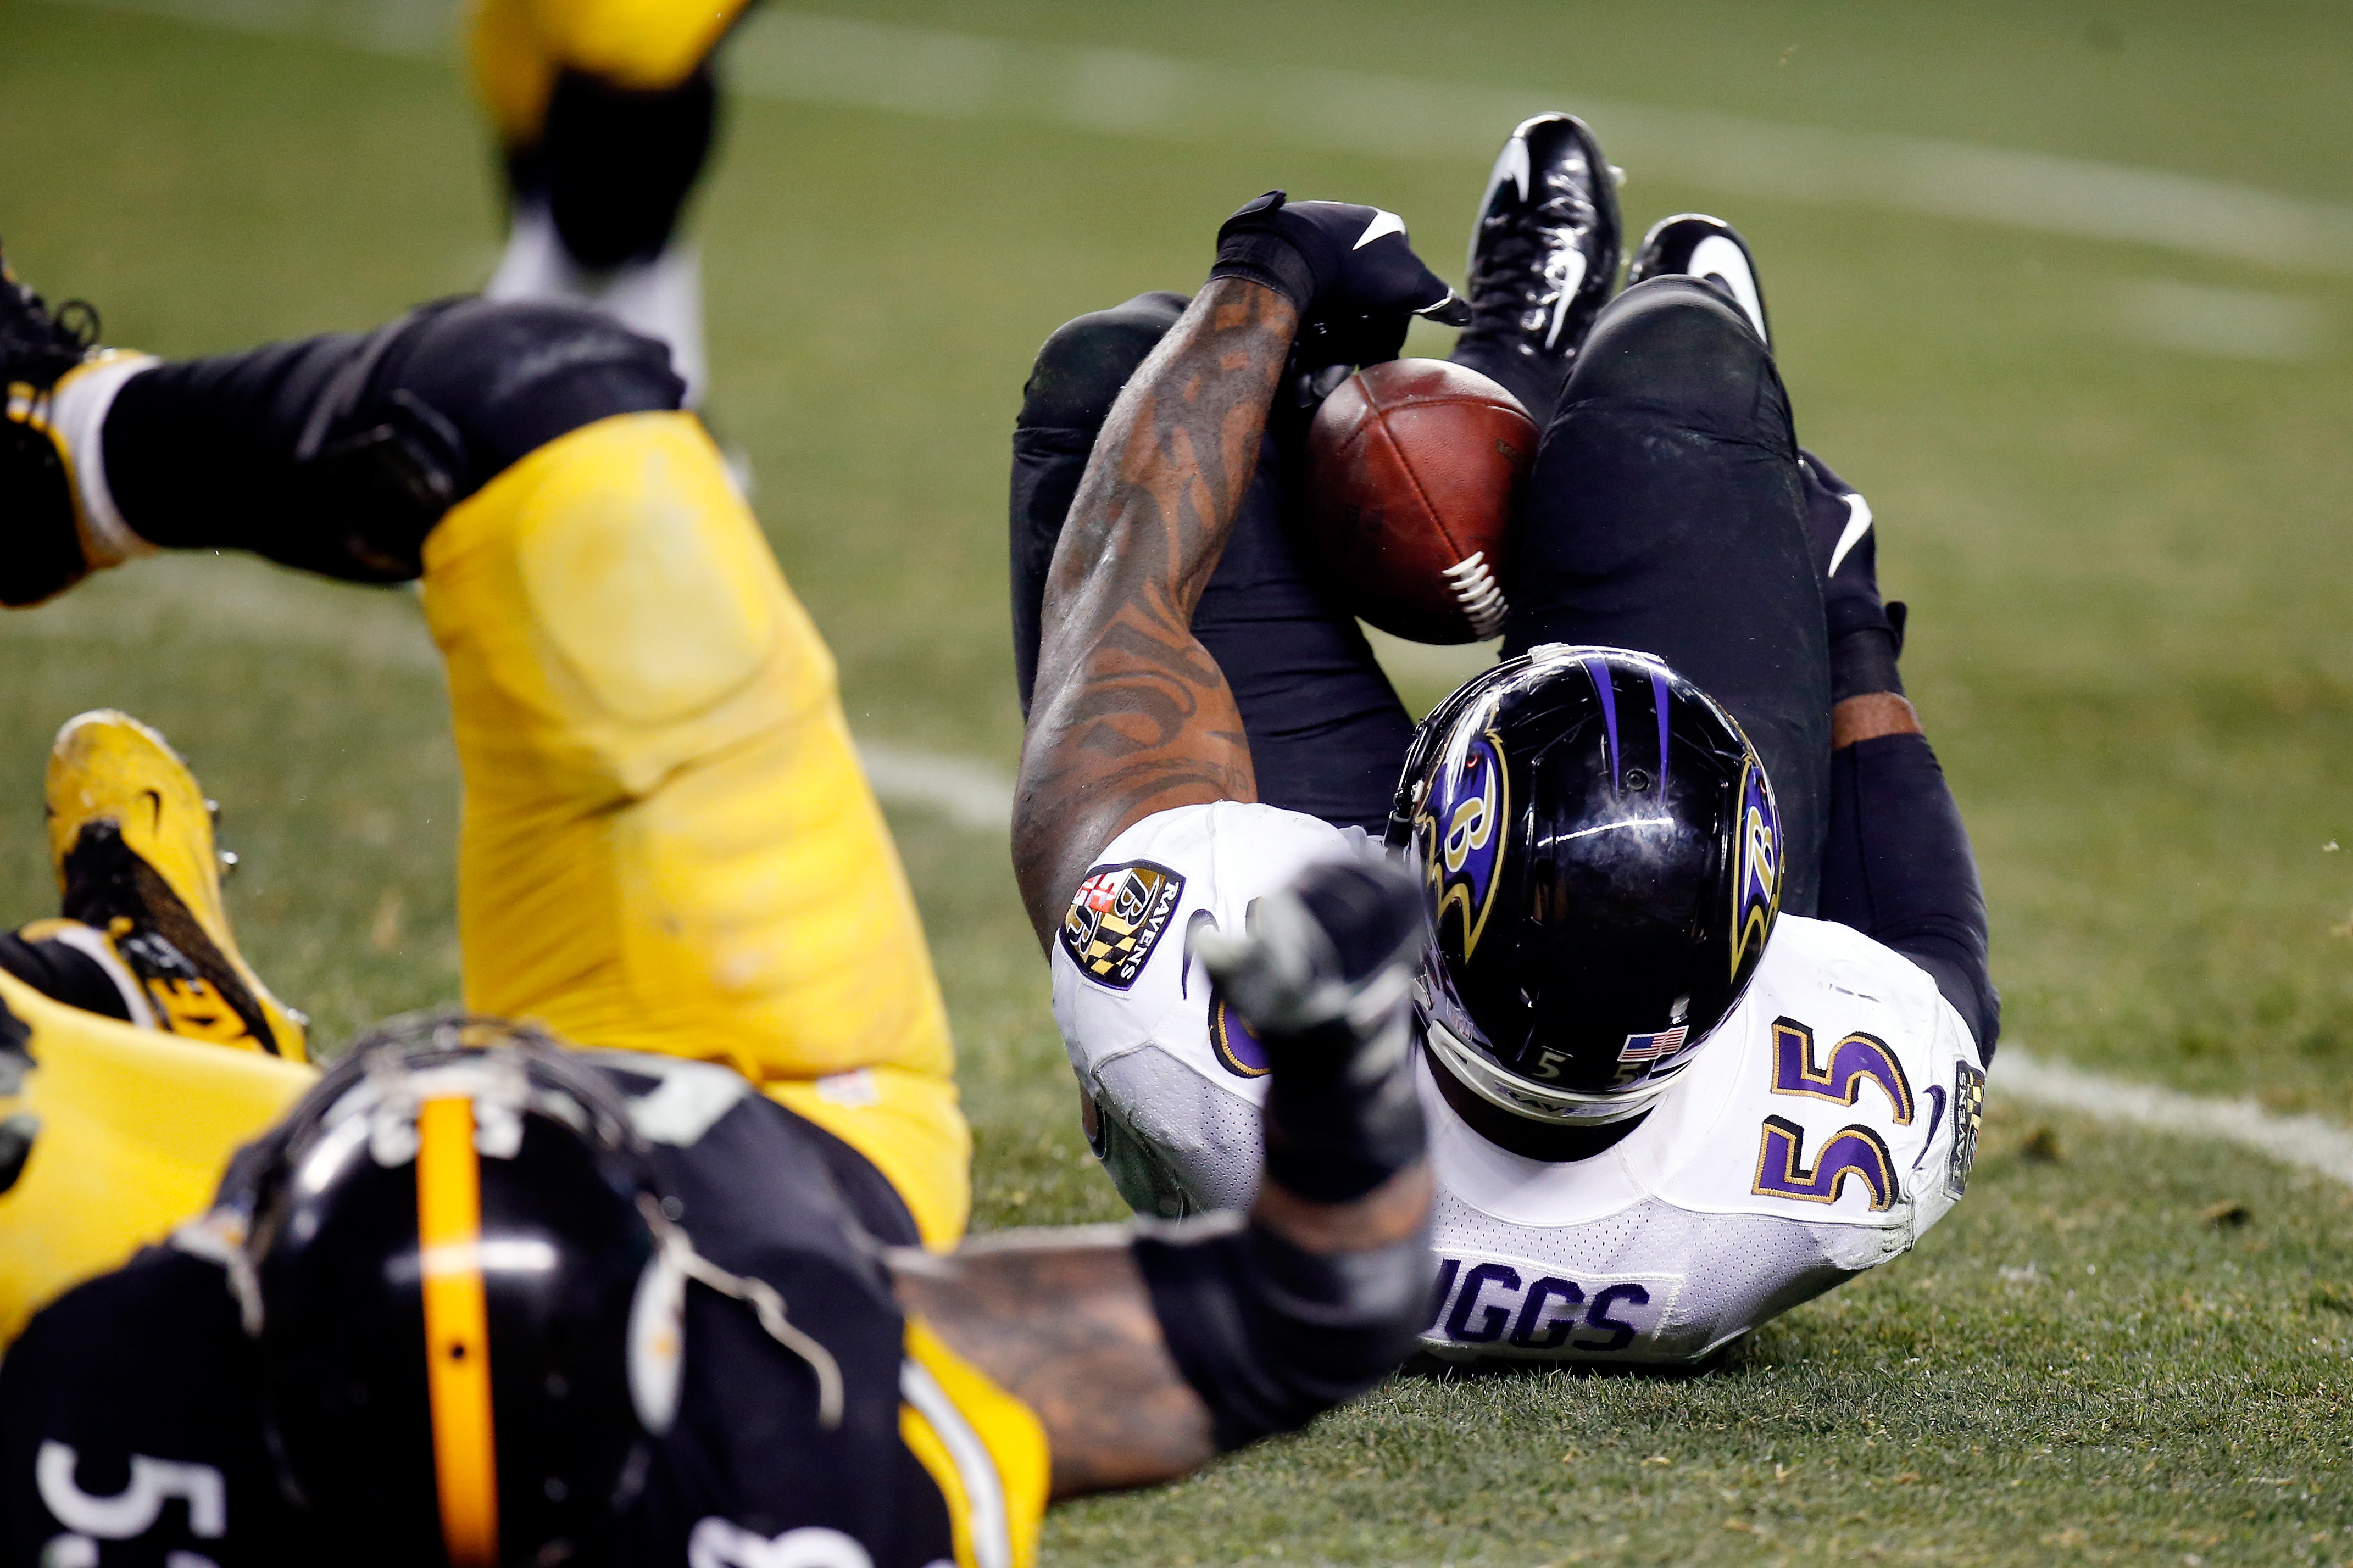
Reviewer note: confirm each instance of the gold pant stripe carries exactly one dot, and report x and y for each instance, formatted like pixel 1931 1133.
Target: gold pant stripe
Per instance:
pixel 985 1449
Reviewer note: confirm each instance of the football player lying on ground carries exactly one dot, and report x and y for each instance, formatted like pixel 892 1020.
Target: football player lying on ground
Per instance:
pixel 688 1298
pixel 665 843
pixel 1706 1013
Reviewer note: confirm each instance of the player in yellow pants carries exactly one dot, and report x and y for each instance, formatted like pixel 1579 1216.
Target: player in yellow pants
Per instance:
pixel 666 844
pixel 474 1299
pixel 604 112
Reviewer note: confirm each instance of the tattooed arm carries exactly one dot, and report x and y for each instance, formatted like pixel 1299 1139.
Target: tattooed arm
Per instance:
pixel 1062 1321
pixel 1065 1321
pixel 1144 1353
pixel 1131 715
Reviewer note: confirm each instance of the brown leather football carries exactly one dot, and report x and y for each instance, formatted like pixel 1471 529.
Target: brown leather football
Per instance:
pixel 1414 470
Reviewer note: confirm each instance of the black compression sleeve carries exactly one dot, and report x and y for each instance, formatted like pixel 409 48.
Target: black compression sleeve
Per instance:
pixel 1270 1335
pixel 1898 869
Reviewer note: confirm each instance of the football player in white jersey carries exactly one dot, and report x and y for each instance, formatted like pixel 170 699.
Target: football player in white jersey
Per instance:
pixel 1706 1013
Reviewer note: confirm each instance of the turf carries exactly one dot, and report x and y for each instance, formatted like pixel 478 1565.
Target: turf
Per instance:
pixel 2129 567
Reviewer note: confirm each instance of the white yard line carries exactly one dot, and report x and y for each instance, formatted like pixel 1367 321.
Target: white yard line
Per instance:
pixel 239 601
pixel 2304 1140
pixel 972 794
pixel 236 602
pixel 795 57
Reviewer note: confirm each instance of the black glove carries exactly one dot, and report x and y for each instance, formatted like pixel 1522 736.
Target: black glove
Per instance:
pixel 1348 270
pixel 1866 636
pixel 1322 977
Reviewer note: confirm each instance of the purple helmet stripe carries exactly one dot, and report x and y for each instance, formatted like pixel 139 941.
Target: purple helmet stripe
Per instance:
pixel 1659 696
pixel 1599 671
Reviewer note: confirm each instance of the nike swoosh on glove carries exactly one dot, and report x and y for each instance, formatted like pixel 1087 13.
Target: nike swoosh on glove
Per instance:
pixel 1349 270
pixel 1866 636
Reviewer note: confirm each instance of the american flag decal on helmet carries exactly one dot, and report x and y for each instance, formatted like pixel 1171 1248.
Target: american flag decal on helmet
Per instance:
pixel 1641 1053
pixel 1756 864
pixel 1969 1116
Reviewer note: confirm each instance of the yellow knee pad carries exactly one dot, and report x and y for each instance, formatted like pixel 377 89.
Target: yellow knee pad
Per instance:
pixel 668 844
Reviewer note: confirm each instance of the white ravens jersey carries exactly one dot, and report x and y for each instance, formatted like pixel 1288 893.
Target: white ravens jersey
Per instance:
pixel 1829 1120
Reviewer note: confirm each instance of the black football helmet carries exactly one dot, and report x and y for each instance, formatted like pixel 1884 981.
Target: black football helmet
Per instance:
pixel 1602 860
pixel 467 1296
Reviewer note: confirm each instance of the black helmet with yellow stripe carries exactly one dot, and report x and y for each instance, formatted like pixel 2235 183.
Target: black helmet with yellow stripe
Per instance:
pixel 467 1298
pixel 448 1241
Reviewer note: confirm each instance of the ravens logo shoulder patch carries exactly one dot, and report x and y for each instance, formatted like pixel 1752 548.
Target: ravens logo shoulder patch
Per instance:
pixel 1117 917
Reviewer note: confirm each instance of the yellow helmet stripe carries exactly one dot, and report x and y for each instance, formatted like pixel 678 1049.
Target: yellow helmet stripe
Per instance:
pixel 456 1330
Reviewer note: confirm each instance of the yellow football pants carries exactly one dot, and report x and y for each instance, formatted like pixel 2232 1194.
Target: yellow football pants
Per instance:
pixel 517 48
pixel 667 843
pixel 134 1128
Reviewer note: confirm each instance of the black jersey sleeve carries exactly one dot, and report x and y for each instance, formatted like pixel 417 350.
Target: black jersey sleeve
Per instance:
pixel 129 1438
pixel 750 1469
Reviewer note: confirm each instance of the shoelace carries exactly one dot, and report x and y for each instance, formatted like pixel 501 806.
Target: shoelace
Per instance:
pixel 58 340
pixel 1568 210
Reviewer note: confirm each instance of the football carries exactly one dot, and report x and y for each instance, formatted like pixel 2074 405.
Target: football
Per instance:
pixel 1414 470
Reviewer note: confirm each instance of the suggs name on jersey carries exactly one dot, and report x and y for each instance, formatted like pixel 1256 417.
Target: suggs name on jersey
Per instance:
pixel 1489 1305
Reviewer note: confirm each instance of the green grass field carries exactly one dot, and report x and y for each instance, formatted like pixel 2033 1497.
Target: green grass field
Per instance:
pixel 2130 563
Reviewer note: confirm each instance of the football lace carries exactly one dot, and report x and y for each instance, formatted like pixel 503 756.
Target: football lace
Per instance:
pixel 1475 590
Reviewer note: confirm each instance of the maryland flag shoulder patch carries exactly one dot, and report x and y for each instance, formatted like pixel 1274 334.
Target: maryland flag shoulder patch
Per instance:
pixel 1117 917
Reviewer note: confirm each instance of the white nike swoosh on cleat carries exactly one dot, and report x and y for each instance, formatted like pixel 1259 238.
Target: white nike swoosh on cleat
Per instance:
pixel 1511 163
pixel 1384 223
pixel 1720 258
pixel 1858 523
pixel 1567 296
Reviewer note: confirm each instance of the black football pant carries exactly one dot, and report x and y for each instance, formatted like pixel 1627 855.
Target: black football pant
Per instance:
pixel 1666 512
pixel 339 453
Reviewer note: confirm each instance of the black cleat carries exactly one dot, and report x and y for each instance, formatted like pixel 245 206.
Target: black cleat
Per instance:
pixel 1709 249
pixel 40 545
pixel 1544 259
